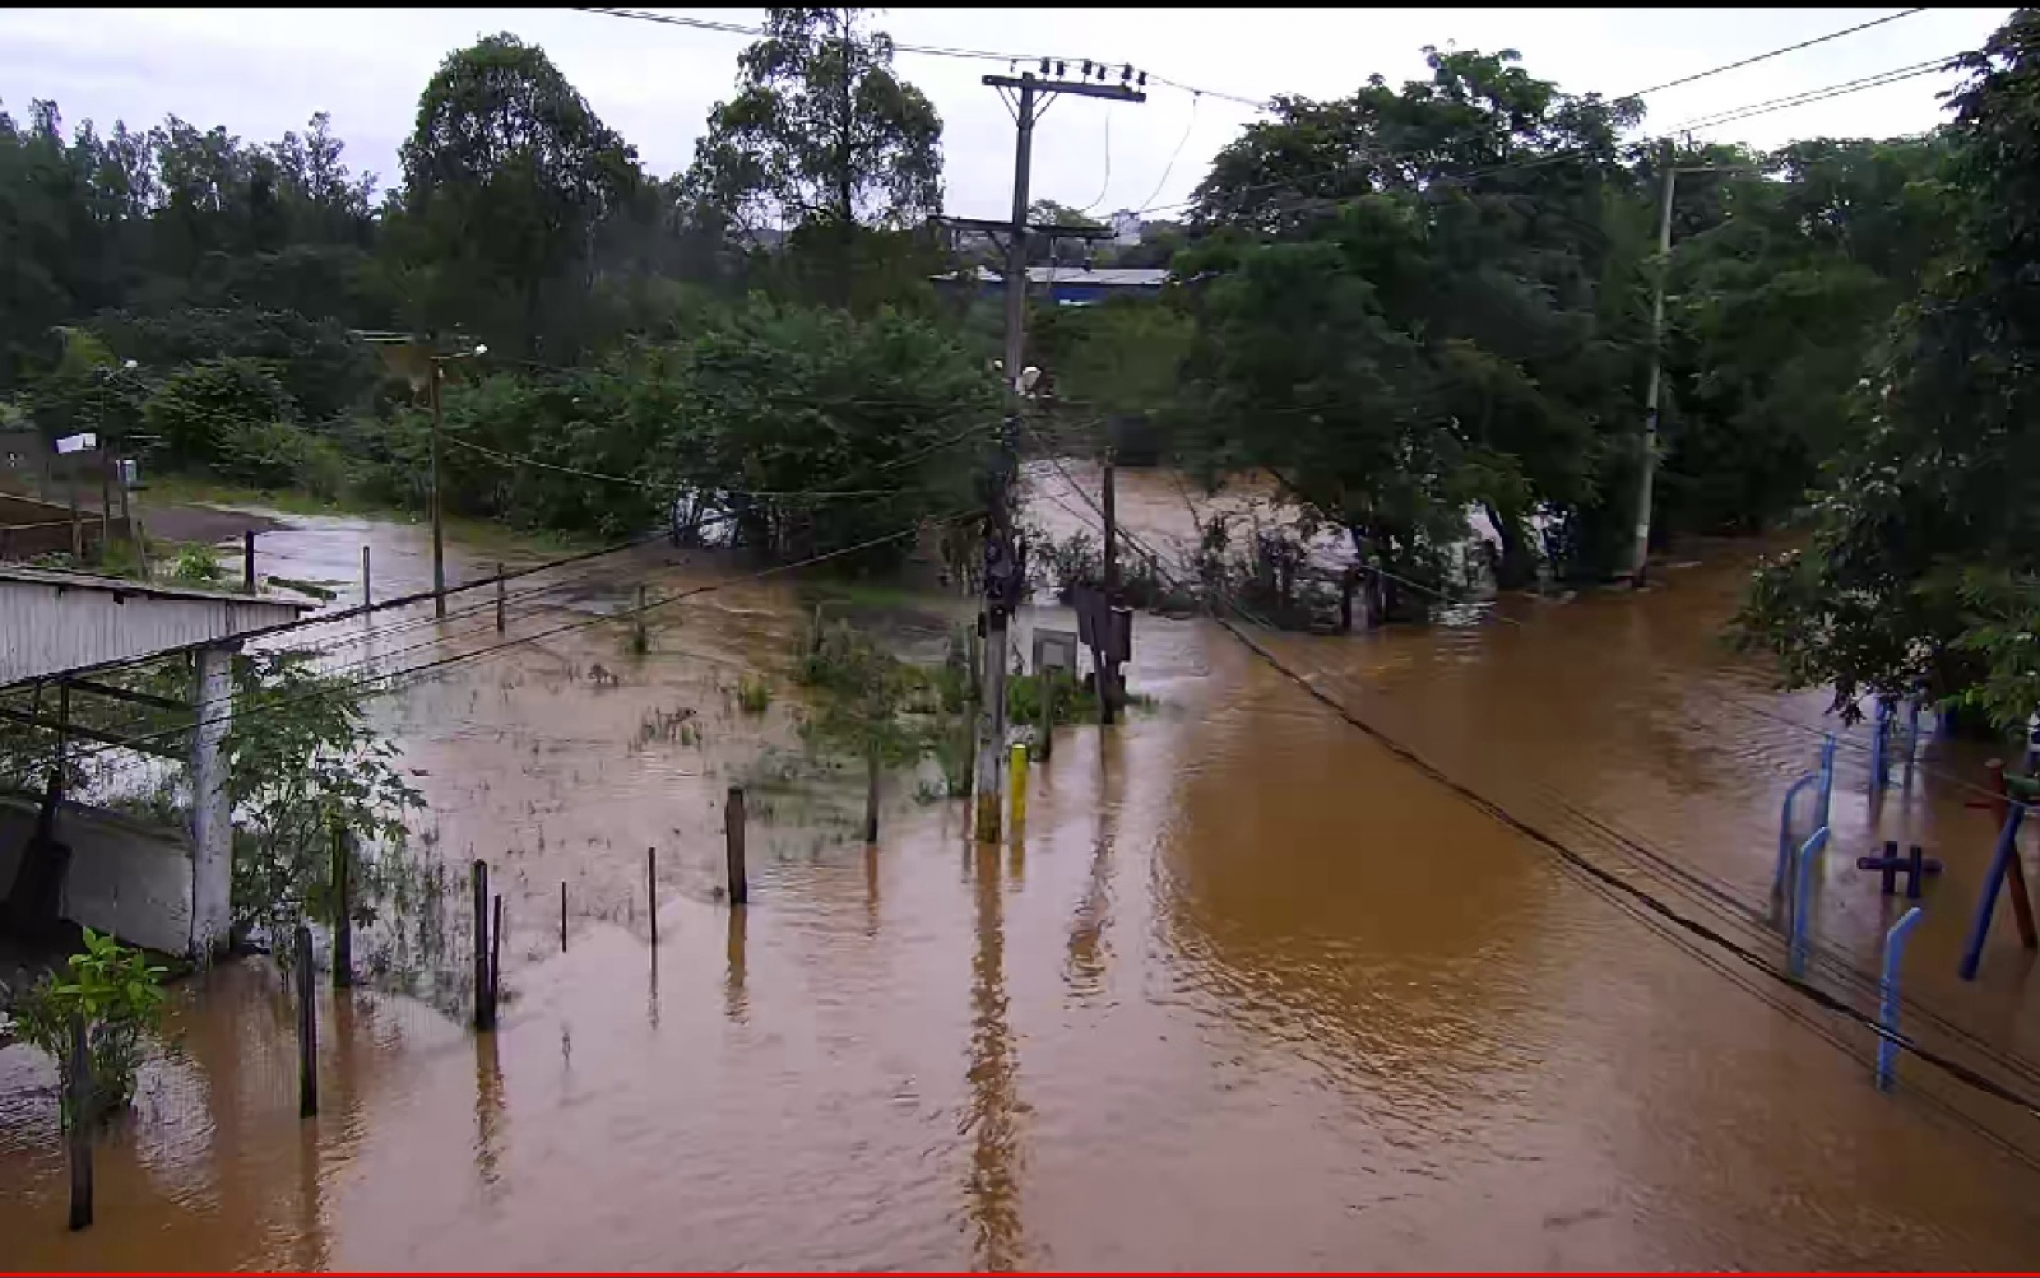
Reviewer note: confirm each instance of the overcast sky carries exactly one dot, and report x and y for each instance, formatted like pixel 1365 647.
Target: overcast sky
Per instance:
pixel 262 71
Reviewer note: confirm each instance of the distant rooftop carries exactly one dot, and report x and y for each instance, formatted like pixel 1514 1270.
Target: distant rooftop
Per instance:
pixel 1101 277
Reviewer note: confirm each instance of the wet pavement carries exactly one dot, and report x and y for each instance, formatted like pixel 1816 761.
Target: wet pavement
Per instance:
pixel 1247 990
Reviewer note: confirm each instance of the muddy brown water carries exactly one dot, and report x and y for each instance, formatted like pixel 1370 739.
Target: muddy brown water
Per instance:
pixel 1247 991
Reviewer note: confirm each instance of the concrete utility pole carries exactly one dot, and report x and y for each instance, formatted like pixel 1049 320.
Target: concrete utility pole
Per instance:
pixel 1001 590
pixel 1650 395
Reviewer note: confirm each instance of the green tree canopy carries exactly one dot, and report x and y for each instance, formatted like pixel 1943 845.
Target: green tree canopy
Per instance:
pixel 820 130
pixel 1924 570
pixel 507 177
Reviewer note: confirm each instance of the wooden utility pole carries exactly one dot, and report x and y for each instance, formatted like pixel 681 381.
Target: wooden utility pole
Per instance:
pixel 307 1026
pixel 733 834
pixel 1002 580
pixel 343 910
pixel 438 526
pixel 80 1135
pixel 485 1012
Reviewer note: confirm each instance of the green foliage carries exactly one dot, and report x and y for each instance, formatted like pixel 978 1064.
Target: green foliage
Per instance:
pixel 1072 701
pixel 754 693
pixel 280 455
pixel 507 177
pixel 196 564
pixel 199 408
pixel 777 399
pixel 1438 333
pixel 1118 363
pixel 820 131
pixel 861 693
pixel 1789 267
pixel 301 761
pixel 1924 568
pixel 119 995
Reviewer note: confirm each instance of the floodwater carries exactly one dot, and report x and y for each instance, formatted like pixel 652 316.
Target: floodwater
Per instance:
pixel 1248 990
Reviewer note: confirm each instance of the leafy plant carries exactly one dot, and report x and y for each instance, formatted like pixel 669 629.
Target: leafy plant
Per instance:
pixel 301 760
pixel 119 995
pixel 754 693
pixel 196 563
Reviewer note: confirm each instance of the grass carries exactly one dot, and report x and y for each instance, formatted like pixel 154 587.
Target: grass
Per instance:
pixel 872 594
pixel 754 694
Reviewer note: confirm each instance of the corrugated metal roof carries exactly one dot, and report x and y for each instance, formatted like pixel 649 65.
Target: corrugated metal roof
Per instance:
pixel 55 622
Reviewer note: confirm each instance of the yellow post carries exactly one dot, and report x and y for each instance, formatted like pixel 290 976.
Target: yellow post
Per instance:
pixel 1019 783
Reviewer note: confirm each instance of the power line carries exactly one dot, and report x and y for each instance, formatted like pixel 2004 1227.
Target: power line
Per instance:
pixel 1105 187
pixel 1765 57
pixel 1608 879
pixel 1170 167
pixel 928 50
pixel 1746 111
pixel 565 627
pixel 1878 81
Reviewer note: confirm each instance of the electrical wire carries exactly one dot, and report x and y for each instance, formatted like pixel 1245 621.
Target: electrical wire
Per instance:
pixel 1878 81
pixel 1765 57
pixel 1606 878
pixel 420 596
pixel 928 50
pixel 1746 111
pixel 391 677
pixel 1106 186
pixel 1170 167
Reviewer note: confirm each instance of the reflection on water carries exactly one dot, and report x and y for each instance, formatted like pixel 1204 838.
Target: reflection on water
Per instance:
pixel 1249 991
pixel 992 1119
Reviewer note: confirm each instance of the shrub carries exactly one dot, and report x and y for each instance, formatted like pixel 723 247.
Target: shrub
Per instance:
pixel 280 455
pixel 196 410
pixel 120 996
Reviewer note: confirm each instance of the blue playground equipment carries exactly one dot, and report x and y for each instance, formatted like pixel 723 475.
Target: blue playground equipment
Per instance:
pixel 1887 1012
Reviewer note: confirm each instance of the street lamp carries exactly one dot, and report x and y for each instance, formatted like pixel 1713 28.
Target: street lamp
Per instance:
pixel 108 463
pixel 438 527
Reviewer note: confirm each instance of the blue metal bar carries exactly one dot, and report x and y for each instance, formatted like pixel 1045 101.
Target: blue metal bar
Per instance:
pixel 1912 739
pixel 1994 879
pixel 1802 896
pixel 1785 833
pixel 1887 1012
pixel 1827 778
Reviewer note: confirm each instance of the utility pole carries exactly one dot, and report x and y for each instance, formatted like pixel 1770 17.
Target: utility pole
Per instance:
pixel 1001 589
pixel 1650 395
pixel 438 530
pixel 438 527
pixel 1108 669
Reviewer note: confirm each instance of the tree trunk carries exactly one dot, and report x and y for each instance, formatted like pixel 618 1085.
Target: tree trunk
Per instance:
pixel 1518 566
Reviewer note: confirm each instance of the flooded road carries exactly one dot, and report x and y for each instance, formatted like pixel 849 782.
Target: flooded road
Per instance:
pixel 1247 991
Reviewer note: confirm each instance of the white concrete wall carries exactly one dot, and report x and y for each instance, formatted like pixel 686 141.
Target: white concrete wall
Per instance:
pixel 127 878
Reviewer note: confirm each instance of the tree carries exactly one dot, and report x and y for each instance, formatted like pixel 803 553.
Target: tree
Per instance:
pixel 199 408
pixel 1924 568
pixel 1790 268
pixel 508 176
pixel 1417 300
pixel 821 131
